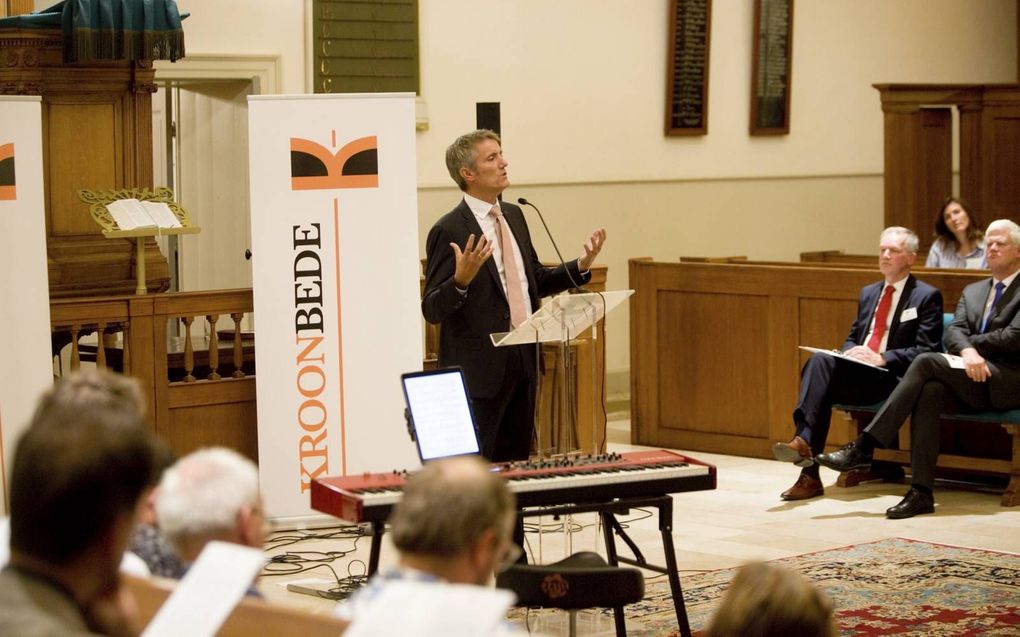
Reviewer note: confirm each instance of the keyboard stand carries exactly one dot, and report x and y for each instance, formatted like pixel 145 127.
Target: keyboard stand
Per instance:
pixel 607 510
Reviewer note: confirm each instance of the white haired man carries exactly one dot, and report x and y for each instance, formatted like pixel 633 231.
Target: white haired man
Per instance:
pixel 985 334
pixel 210 494
pixel 897 319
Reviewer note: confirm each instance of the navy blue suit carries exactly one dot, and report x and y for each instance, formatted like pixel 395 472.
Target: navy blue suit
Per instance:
pixel 501 381
pixel 826 380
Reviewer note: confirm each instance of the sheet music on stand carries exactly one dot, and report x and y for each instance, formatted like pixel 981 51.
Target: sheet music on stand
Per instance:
pixel 563 317
pixel 838 354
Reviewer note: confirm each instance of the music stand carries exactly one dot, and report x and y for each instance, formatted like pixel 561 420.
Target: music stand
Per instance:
pixel 560 319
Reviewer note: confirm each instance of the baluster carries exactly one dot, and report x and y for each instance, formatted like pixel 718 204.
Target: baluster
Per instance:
pixel 238 349
pixel 214 347
pixel 101 346
pixel 75 356
pixel 126 363
pixel 189 353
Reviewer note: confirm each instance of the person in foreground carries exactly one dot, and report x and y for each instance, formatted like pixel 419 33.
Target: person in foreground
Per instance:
pixel 210 494
pixel 770 601
pixel 80 470
pixel 471 296
pixel 985 336
pixel 959 241
pixel 452 525
pixel 897 319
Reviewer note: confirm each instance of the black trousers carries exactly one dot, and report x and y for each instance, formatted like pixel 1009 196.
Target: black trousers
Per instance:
pixel 929 388
pixel 506 421
pixel 827 380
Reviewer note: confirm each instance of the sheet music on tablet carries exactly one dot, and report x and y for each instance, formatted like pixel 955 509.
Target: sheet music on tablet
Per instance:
pixel 837 354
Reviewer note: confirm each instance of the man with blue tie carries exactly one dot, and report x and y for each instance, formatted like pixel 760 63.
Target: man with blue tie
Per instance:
pixel 897 319
pixel 985 374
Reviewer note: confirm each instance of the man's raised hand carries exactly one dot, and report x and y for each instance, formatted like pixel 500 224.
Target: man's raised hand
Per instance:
pixel 470 260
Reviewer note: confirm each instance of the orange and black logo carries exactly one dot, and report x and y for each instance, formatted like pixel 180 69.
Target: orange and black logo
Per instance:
pixel 315 167
pixel 7 192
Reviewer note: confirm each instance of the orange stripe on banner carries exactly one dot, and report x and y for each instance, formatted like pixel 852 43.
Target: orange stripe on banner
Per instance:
pixel 340 335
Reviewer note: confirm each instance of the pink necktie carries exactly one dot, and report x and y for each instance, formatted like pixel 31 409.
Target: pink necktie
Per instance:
pixel 514 291
pixel 881 314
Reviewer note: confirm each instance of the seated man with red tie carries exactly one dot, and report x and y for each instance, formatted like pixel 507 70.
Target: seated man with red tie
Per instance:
pixel 897 319
pixel 471 296
pixel 984 337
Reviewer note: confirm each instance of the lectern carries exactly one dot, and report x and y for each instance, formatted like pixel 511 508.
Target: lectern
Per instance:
pixel 560 320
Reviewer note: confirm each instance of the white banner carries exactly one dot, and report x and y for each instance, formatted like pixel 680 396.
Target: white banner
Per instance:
pixel 335 276
pixel 27 369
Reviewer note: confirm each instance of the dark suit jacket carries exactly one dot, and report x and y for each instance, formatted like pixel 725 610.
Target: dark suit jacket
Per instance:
pixel 1000 342
pixel 466 320
pixel 907 339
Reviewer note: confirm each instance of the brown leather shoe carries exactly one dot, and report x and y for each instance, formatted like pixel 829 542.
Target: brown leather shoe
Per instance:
pixel 804 488
pixel 796 451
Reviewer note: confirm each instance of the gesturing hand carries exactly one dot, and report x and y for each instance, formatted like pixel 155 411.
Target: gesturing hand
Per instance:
pixel 470 259
pixel 591 249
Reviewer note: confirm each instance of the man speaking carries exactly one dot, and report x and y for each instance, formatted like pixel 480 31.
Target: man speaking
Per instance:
pixel 471 296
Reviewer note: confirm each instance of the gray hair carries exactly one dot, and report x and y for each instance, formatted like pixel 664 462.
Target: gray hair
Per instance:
pixel 462 153
pixel 201 495
pixel 1009 226
pixel 910 241
pixel 448 505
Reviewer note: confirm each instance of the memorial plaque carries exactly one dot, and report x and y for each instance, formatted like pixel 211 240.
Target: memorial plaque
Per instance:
pixel 771 66
pixel 690 26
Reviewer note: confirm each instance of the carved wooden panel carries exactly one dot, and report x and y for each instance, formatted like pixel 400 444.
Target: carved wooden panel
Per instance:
pixel 97 134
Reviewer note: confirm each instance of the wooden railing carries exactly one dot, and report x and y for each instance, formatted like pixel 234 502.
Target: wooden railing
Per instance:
pixel 196 370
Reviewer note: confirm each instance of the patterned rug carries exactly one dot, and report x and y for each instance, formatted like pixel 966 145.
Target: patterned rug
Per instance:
pixel 889 587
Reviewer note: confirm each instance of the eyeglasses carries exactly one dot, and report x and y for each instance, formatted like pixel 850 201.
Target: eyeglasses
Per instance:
pixel 511 554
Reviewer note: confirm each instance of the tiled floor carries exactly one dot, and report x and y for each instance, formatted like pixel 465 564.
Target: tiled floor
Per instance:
pixel 744 519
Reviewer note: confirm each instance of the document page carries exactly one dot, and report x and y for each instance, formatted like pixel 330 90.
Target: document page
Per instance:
pixel 955 362
pixel 838 354
pixel 161 214
pixel 130 215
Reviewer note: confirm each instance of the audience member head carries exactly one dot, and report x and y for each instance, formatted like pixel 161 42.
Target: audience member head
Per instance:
pixel 765 600
pixel 79 473
pixel 957 222
pixel 455 521
pixel 462 161
pixel 210 494
pixel 897 252
pixel 1002 247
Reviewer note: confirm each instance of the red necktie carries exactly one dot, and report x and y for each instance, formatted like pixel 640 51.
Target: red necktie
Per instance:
pixel 881 314
pixel 514 289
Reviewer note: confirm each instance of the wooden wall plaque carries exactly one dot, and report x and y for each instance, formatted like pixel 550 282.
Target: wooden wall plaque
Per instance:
pixel 771 64
pixel 690 28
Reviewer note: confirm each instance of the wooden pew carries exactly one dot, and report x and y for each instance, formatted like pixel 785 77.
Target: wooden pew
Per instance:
pixel 249 617
pixel 715 365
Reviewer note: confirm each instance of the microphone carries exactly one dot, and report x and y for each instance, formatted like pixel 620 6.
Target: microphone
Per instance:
pixel 525 202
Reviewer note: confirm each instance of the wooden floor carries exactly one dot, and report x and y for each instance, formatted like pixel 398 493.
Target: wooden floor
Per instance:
pixel 744 519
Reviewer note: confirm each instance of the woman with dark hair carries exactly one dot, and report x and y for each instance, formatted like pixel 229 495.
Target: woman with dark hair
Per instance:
pixel 959 240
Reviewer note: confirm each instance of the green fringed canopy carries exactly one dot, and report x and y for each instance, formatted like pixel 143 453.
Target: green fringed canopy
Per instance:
pixel 112 29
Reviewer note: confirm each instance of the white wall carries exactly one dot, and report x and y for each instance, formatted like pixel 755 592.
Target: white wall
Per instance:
pixel 582 88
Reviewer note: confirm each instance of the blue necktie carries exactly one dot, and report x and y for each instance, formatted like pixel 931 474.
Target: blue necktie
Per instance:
pixel 999 287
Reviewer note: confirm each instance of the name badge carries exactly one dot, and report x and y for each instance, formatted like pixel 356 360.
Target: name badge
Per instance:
pixel 908 314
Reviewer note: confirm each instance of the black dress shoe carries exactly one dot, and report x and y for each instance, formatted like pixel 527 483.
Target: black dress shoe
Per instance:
pixel 914 503
pixel 847 458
